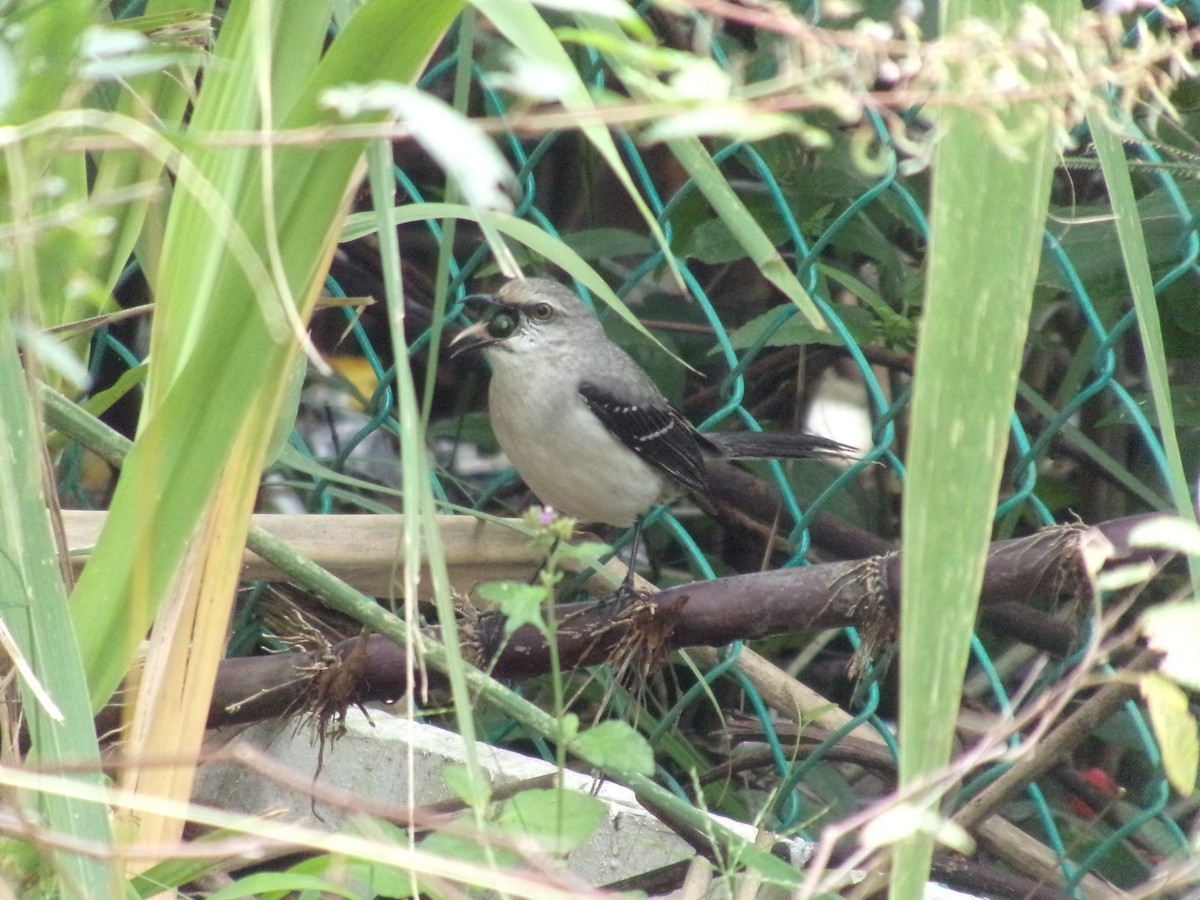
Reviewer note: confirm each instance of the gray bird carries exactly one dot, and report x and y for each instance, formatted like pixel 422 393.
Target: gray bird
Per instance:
pixel 582 422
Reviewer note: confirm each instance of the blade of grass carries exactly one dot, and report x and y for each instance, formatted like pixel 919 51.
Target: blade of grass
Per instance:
pixel 526 30
pixel 983 258
pixel 38 182
pixel 158 98
pixel 698 162
pixel 420 513
pixel 693 156
pixel 221 334
pixel 174 687
pixel 533 237
pixel 1141 287
pixel 35 610
pixel 264 57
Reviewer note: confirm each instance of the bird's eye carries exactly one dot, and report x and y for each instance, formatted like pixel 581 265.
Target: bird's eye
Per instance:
pixel 501 325
pixel 542 311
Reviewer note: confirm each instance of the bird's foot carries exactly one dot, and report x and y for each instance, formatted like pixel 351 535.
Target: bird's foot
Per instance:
pixel 625 593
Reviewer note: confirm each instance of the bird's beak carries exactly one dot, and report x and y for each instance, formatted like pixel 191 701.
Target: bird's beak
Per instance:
pixel 476 334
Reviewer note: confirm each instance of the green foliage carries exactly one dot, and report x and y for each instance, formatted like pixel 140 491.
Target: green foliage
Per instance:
pixel 615 745
pixel 558 820
pixel 766 331
pixel 521 604
pixel 47 276
pixel 229 338
pixel 974 322
pixel 1175 729
pixel 234 234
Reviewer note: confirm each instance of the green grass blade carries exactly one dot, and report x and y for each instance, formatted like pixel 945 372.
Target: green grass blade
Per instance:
pixel 983 259
pixel 221 334
pixel 422 539
pixel 729 207
pixel 1141 285
pixel 698 162
pixel 521 24
pixel 155 98
pixel 35 612
pixel 536 239
pixel 44 257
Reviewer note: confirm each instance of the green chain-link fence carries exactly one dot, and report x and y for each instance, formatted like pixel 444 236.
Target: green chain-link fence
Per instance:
pixel 1081 442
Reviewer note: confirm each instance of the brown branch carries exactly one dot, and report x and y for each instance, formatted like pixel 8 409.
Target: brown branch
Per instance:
pixel 1051 565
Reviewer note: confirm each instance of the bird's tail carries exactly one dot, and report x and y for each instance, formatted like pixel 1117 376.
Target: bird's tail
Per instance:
pixel 776 445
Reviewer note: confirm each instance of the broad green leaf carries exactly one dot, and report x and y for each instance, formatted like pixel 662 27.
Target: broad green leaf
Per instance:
pixel 261 883
pixel 560 820
pixel 712 242
pixel 796 331
pixel 520 603
pixel 607 243
pixel 472 792
pixel 615 744
pixel 1090 237
pixel 41 58
pixel 1175 729
pixel 465 850
pixel 586 550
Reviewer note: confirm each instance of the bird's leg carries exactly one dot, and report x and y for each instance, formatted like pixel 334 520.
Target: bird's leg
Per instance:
pixel 625 591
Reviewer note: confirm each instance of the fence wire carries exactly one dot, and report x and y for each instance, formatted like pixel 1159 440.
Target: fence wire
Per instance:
pixel 1081 442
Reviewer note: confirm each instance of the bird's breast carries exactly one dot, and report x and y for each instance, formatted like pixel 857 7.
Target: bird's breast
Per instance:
pixel 564 453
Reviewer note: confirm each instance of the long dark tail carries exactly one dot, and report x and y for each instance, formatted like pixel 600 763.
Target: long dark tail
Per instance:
pixel 776 445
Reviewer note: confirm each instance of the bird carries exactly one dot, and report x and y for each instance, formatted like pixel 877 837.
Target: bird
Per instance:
pixel 584 425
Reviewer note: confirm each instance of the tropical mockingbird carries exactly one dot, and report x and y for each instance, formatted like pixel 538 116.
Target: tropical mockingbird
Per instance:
pixel 584 425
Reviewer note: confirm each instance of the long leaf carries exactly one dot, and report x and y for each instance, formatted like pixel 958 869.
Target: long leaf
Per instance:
pixel 522 25
pixel 35 611
pixel 1141 288
pixel 46 254
pixel 983 259
pixel 225 336
pixel 746 230
pixel 157 97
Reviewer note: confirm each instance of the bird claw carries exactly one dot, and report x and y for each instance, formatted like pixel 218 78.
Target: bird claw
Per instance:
pixel 625 593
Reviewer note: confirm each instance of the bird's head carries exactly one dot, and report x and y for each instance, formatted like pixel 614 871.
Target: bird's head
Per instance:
pixel 529 315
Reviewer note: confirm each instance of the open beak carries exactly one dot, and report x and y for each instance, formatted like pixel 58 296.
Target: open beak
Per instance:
pixel 478 336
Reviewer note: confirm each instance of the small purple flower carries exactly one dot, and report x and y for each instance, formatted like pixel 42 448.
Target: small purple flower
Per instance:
pixel 547 516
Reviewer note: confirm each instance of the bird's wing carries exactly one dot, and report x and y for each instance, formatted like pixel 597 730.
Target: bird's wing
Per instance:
pixel 655 432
